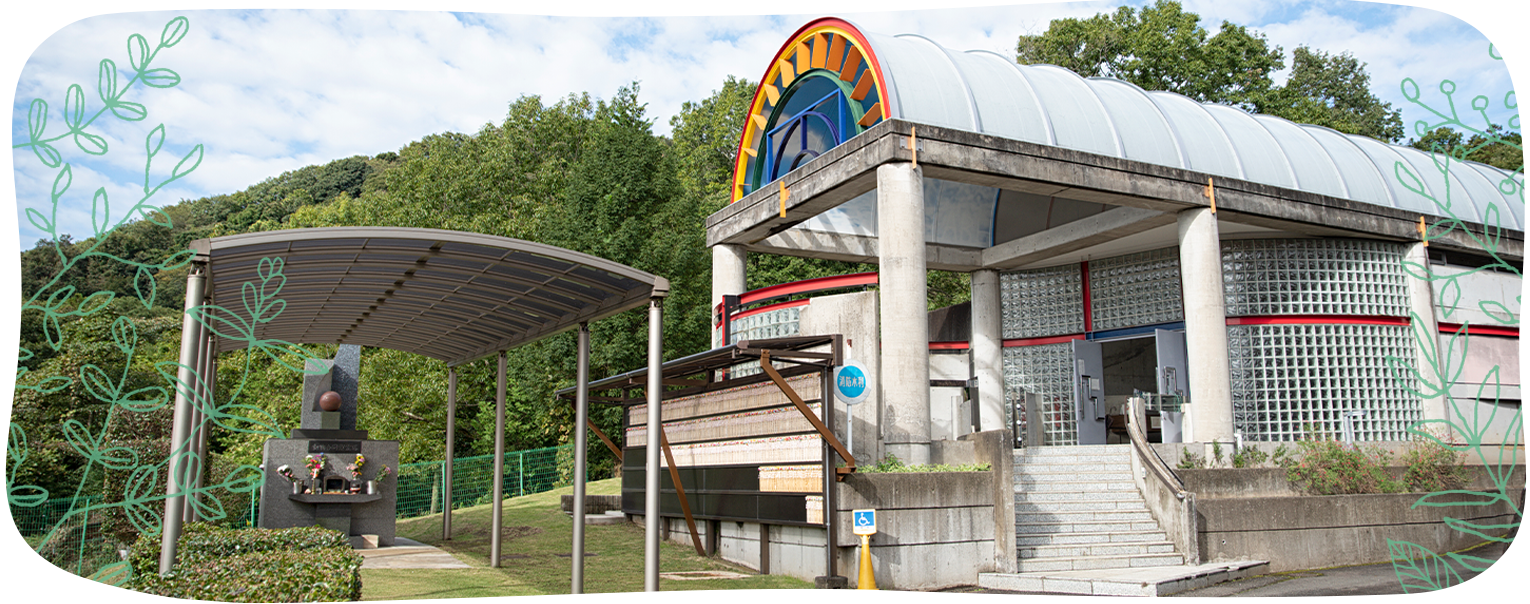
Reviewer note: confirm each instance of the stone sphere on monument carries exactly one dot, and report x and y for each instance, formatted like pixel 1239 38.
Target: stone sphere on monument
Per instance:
pixel 329 401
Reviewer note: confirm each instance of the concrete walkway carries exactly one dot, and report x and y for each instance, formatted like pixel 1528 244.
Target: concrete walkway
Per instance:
pixel 408 553
pixel 1353 584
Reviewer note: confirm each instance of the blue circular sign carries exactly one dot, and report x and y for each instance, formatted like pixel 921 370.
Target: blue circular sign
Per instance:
pixel 851 383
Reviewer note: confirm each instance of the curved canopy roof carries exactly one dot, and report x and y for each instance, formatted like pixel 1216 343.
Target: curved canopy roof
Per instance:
pixel 447 295
pixel 918 80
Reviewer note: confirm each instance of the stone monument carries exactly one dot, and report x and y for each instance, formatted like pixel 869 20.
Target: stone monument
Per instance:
pixel 336 499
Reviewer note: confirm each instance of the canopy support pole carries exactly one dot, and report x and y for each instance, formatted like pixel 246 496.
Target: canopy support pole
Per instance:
pixel 499 465
pixel 654 423
pixel 451 452
pixel 581 442
pixel 191 344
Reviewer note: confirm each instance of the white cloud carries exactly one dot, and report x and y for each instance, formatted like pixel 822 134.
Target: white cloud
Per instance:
pixel 276 86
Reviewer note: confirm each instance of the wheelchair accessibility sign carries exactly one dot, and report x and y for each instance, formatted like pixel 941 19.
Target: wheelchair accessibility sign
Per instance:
pixel 863 522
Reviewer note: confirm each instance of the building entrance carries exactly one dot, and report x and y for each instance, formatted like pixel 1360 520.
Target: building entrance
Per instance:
pixel 1108 372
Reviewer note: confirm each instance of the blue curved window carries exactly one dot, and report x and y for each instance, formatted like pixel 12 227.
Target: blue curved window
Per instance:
pixel 794 141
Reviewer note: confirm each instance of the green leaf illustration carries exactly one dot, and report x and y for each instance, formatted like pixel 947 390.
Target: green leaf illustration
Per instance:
pixel 124 334
pixel 61 182
pixel 100 212
pixel 244 479
pixel 161 78
pixel 95 303
pixel 1443 499
pixel 129 111
pixel 39 221
pixel 115 574
pixel 53 331
pixel 98 384
pixel 177 260
pixel 79 439
pixel 154 140
pixel 174 32
pixel 106 81
pixel 193 157
pixel 223 323
pixel 37 119
pixel 18 444
pixel 138 52
pixel 27 496
pixel 1419 569
pixel 50 385
pixel 155 215
pixel 74 107
pixel 1471 563
pixel 1482 530
pixel 1498 311
pixel 144 285
pixel 47 154
pixel 144 399
pixel 118 458
pixel 90 143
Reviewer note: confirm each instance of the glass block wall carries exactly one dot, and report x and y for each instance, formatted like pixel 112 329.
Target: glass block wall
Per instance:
pixel 1042 302
pixel 780 323
pixel 1137 289
pixel 1313 277
pixel 1048 371
pixel 1286 378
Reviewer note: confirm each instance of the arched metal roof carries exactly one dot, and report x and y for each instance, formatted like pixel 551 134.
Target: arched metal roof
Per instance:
pixel 980 91
pixel 447 295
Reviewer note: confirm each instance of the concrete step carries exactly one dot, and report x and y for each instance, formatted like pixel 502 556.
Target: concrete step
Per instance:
pixel 1079 550
pixel 1053 528
pixel 1080 505
pixel 1075 486
pixel 1074 476
pixel 1072 450
pixel 1024 518
pixel 1038 496
pixel 1030 467
pixel 1073 460
pixel 1026 565
pixel 1038 539
pixel 1144 581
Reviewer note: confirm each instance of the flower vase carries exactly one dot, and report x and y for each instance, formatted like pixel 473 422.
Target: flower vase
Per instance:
pixel 297 487
pixel 371 487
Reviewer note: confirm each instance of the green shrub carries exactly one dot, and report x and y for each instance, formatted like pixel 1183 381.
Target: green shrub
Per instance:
pixel 251 565
pixel 1282 456
pixel 1190 461
pixel 1433 467
pixel 1328 467
pixel 892 465
pixel 1249 457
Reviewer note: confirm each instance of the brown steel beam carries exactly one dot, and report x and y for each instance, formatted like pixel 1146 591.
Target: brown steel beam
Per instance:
pixel 685 506
pixel 823 430
pixel 605 439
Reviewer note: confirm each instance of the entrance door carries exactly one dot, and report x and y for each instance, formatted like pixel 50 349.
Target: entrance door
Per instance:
pixel 1172 379
pixel 1089 392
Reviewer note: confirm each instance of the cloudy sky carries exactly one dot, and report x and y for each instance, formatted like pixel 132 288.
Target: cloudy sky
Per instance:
pixel 273 86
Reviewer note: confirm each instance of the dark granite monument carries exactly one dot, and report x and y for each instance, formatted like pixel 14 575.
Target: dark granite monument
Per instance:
pixel 333 500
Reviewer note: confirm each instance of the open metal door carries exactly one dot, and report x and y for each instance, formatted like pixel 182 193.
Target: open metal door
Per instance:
pixel 1089 392
pixel 1172 380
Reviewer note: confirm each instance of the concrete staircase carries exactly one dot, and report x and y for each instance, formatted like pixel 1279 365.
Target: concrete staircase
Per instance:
pixel 1082 527
pixel 1077 508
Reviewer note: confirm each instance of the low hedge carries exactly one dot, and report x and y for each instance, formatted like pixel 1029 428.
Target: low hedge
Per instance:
pixel 252 565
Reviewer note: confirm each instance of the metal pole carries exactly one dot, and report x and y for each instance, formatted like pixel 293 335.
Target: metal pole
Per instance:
pixel 499 464
pixel 199 426
pixel 651 475
pixel 191 340
pixel 581 438
pixel 451 450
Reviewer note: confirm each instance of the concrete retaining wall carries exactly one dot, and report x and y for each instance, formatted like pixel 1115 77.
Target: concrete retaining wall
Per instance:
pixel 1223 483
pixel 1295 533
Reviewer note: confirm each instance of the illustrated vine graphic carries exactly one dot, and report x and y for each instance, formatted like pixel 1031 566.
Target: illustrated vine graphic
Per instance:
pixel 141 497
pixel 1463 430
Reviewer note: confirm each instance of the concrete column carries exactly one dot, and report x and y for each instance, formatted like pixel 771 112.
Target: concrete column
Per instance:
pixel 581 440
pixel 987 347
pixel 497 518
pixel 1200 270
pixel 729 277
pixel 180 431
pixel 905 328
pixel 655 423
pixel 451 452
pixel 1426 329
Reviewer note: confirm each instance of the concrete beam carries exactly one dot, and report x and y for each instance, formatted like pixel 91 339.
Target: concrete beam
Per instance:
pixel 956 155
pixel 1099 228
pixel 860 248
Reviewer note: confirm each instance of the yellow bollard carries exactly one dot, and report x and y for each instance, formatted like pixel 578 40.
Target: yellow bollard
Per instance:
pixel 867 579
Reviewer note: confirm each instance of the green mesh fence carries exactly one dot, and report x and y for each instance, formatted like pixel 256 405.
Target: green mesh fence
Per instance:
pixel 421 485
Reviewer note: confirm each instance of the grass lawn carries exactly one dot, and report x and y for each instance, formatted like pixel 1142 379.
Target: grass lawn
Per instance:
pixel 534 532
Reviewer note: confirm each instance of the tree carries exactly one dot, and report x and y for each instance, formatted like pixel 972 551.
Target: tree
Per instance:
pixel 1333 91
pixel 1163 47
pixel 1160 47
pixel 1495 146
